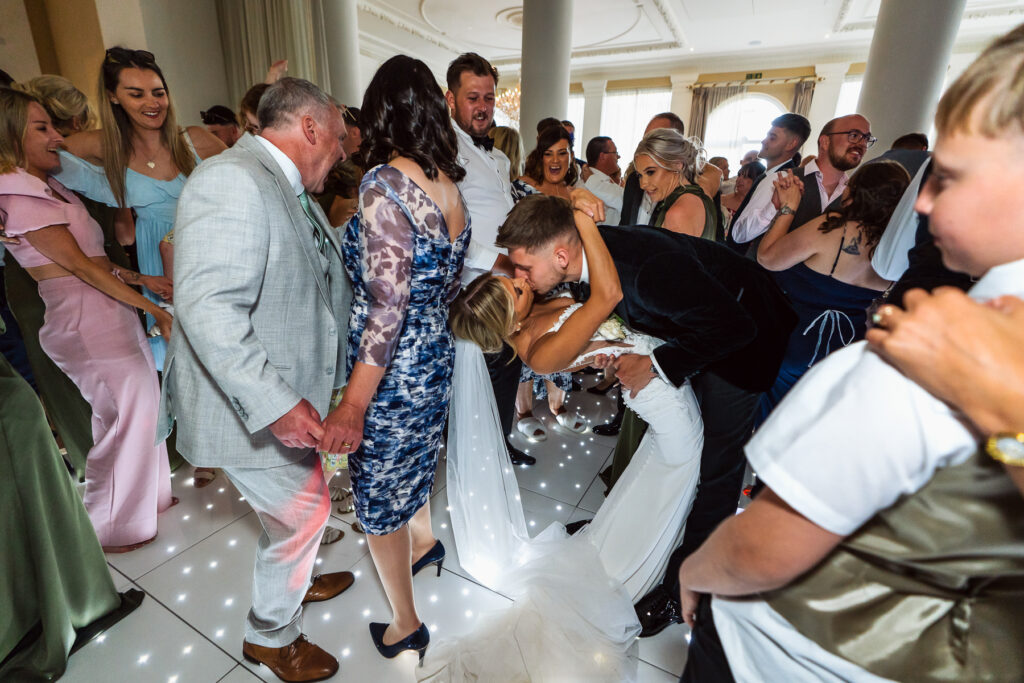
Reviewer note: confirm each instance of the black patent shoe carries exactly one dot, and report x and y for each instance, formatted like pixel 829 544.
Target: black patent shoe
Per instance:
pixel 609 429
pixel 434 556
pixel 572 527
pixel 612 427
pixel 417 640
pixel 657 611
pixel 518 457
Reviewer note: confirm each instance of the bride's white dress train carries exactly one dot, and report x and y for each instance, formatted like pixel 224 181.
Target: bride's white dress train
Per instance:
pixel 573 617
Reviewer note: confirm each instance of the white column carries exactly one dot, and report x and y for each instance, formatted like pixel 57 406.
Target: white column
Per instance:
pixel 682 94
pixel 958 63
pixel 593 104
pixel 341 24
pixel 907 64
pixel 546 50
pixel 824 100
pixel 121 23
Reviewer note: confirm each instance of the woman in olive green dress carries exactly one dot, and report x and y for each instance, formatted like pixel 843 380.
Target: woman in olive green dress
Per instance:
pixel 55 586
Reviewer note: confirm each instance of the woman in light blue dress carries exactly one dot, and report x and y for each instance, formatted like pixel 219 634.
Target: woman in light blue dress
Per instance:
pixel 139 160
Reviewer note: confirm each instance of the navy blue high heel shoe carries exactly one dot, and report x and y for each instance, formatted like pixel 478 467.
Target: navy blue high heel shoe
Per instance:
pixel 434 556
pixel 417 640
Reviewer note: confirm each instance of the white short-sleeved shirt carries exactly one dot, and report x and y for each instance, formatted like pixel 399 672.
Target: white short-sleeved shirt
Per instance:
pixel 852 437
pixel 487 190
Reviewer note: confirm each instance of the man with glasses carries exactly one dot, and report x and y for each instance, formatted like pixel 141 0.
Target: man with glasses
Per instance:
pixel 603 160
pixel 842 144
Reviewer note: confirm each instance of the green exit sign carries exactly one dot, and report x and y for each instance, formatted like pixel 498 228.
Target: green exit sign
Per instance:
pixel 755 76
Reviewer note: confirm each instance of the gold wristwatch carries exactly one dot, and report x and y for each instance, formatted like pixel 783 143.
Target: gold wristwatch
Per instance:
pixel 1007 448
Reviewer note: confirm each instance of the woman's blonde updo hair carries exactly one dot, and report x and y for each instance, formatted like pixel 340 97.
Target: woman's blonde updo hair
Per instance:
pixel 508 141
pixel 67 106
pixel 484 314
pixel 673 152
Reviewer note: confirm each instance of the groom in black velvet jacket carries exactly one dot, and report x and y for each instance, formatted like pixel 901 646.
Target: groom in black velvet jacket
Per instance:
pixel 725 324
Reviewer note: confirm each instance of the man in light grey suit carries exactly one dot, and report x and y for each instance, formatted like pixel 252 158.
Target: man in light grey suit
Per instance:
pixel 259 342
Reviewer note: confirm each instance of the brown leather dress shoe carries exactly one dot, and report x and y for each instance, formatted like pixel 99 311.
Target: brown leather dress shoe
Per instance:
pixel 299 661
pixel 326 586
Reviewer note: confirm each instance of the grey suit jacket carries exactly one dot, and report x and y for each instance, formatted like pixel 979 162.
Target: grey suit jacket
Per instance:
pixel 258 326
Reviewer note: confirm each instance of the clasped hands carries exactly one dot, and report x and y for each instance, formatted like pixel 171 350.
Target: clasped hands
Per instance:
pixel 789 190
pixel 633 371
pixel 301 427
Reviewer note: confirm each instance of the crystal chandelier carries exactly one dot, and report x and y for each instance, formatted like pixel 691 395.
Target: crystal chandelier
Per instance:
pixel 508 103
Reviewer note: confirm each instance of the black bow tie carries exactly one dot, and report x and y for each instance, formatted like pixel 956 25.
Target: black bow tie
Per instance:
pixel 580 290
pixel 483 141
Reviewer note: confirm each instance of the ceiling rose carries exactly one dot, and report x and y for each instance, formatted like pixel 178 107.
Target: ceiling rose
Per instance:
pixel 511 16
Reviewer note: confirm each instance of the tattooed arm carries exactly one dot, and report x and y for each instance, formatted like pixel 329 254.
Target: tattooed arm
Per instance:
pixel 781 249
pixel 158 284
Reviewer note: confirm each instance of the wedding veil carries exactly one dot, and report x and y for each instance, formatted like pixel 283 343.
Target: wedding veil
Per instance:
pixel 570 621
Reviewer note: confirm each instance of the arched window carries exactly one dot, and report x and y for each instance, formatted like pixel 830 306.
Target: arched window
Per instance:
pixel 738 125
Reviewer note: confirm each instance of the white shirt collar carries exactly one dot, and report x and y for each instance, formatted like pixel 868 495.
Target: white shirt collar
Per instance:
pixel 585 269
pixel 1007 278
pixel 601 175
pixel 468 139
pixel 291 171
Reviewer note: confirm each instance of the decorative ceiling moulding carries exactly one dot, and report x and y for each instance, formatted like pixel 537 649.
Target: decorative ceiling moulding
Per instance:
pixel 374 46
pixel 510 16
pixel 659 14
pixel 843 23
pixel 999 12
pixel 404 25
pixel 604 52
pixel 636 22
pixel 868 14
pixel 671 21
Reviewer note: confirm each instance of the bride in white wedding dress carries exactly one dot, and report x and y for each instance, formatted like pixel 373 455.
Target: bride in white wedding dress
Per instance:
pixel 573 617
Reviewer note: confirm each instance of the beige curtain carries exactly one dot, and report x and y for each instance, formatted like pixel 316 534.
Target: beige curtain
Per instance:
pixel 256 33
pixel 704 102
pixel 802 95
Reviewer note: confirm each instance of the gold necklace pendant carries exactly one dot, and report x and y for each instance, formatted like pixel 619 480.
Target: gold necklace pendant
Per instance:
pixel 151 164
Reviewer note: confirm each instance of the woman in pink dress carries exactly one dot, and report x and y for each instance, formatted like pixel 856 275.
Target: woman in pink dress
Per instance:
pixel 91 330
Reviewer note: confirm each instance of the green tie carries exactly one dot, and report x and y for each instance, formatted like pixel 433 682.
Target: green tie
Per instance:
pixel 319 238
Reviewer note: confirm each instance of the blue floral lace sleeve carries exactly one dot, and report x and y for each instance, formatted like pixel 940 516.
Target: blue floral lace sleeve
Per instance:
pixel 522 189
pixel 386 245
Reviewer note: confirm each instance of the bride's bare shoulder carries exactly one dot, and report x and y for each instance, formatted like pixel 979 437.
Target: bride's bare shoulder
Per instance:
pixel 542 318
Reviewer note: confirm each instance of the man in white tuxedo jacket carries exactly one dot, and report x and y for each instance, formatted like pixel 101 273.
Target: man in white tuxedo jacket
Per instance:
pixel 259 341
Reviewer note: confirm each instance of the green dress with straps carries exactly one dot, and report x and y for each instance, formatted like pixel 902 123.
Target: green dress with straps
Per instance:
pixel 710 212
pixel 633 427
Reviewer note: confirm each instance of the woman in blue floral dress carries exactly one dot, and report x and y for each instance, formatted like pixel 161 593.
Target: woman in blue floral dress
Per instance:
pixel 404 251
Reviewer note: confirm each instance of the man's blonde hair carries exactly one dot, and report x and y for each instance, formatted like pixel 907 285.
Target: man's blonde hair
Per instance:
pixel 988 97
pixel 484 314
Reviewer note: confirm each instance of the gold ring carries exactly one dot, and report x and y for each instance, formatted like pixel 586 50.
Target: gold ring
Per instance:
pixel 346 444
